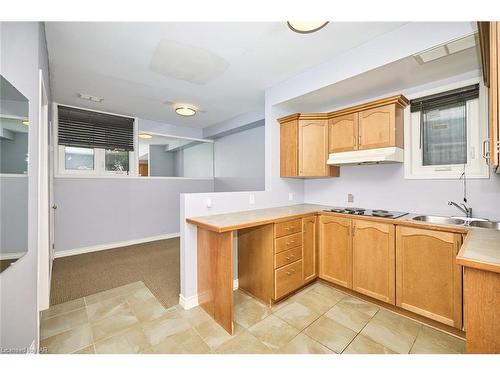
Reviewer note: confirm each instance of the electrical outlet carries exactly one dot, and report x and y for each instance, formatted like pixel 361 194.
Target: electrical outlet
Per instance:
pixel 350 198
pixel 251 199
pixel 290 196
pixel 209 202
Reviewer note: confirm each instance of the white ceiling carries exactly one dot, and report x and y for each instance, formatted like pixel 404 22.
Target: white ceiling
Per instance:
pixel 389 79
pixel 223 68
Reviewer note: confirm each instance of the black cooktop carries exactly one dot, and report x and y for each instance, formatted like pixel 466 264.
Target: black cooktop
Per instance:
pixel 367 212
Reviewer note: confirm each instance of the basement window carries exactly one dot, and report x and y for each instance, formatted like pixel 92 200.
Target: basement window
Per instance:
pixel 445 134
pixel 94 143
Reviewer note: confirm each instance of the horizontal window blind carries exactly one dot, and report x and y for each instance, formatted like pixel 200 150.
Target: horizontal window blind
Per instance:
pixel 445 98
pixel 82 128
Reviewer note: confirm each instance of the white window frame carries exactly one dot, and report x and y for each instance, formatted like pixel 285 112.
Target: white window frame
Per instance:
pixel 477 132
pixel 99 153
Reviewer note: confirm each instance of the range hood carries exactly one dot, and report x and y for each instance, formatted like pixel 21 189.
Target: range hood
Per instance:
pixel 372 156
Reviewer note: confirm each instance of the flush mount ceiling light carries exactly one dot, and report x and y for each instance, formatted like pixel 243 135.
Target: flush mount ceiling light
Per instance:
pixel 25 122
pixel 185 110
pixel 91 98
pixel 306 27
pixel 145 136
pixel 446 49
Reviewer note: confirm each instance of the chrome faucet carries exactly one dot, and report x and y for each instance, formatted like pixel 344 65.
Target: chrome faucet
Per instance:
pixel 462 207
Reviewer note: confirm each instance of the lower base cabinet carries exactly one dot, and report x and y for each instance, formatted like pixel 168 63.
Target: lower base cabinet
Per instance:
pixel 428 277
pixel 335 254
pixel 482 311
pixel 374 260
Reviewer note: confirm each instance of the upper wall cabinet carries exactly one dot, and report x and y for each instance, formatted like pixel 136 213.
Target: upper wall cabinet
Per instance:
pixel 489 36
pixel 371 125
pixel 304 146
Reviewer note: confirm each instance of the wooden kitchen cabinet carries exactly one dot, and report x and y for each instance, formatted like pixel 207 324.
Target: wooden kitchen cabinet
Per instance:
pixel 428 277
pixel 374 260
pixel 304 146
pixel 335 250
pixel 343 133
pixel 482 311
pixel 309 249
pixel 375 124
pixel 381 127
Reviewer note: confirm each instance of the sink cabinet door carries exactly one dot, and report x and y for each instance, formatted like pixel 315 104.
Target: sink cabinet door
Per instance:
pixel 335 250
pixel 343 133
pixel 309 248
pixel 374 260
pixel 428 278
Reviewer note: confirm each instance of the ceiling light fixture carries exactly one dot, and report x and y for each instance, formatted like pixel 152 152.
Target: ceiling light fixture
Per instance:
pixel 306 27
pixel 185 110
pixel 91 98
pixel 25 122
pixel 145 136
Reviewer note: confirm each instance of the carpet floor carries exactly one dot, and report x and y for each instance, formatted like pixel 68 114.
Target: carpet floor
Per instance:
pixel 154 263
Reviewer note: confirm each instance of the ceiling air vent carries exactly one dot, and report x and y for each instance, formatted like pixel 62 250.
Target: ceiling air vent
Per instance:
pixel 446 49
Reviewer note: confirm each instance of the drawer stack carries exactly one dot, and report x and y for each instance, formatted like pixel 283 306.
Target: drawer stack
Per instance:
pixel 287 257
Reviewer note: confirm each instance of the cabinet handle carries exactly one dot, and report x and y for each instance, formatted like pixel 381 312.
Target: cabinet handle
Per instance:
pixel 287 258
pixel 291 272
pixel 486 152
pixel 290 243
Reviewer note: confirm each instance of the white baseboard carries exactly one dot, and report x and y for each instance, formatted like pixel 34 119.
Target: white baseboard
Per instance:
pixel 190 302
pixel 90 249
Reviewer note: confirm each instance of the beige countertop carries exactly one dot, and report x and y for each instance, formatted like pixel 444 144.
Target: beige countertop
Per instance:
pixel 481 248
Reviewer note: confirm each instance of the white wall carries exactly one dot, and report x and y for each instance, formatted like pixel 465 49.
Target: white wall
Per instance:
pixel 240 161
pixel 384 187
pixel 102 211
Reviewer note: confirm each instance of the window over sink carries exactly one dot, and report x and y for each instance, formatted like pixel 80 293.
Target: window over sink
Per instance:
pixel 445 131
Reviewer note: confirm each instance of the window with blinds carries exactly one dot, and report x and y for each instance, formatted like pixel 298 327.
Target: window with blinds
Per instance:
pixel 443 125
pixel 88 129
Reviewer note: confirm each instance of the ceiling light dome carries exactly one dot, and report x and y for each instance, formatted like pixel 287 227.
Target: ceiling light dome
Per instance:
pixel 145 136
pixel 185 110
pixel 306 27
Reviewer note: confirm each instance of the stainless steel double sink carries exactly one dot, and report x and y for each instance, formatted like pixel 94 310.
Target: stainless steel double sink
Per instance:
pixel 466 221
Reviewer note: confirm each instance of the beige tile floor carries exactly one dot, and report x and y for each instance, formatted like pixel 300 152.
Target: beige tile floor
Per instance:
pixel 318 320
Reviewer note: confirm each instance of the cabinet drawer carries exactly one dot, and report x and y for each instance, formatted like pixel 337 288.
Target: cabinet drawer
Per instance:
pixel 287 227
pixel 288 242
pixel 287 256
pixel 287 279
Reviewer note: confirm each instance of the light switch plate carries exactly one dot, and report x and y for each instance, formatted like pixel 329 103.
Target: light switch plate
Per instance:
pixel 350 198
pixel 251 199
pixel 209 202
pixel 290 196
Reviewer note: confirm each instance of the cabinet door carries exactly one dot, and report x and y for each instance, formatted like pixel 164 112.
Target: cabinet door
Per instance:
pixel 428 278
pixel 309 248
pixel 374 260
pixel 335 250
pixel 313 148
pixel 377 127
pixel 288 149
pixel 343 133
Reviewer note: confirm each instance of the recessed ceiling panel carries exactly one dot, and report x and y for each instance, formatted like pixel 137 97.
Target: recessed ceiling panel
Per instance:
pixel 187 63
